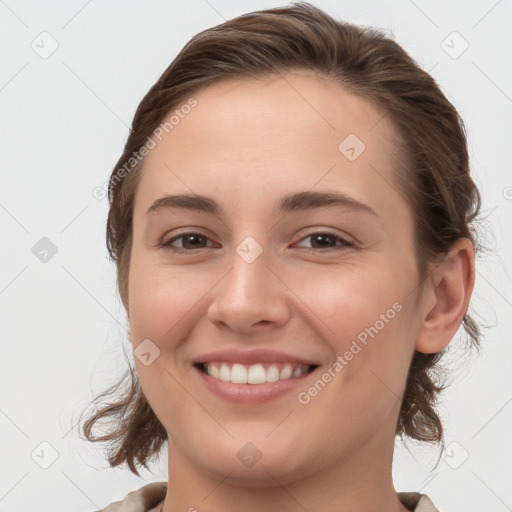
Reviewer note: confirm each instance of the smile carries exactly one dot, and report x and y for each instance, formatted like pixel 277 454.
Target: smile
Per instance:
pixel 252 384
pixel 255 373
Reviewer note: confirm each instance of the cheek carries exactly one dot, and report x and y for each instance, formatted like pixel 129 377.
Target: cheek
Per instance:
pixel 354 303
pixel 160 299
pixel 371 343
pixel 362 389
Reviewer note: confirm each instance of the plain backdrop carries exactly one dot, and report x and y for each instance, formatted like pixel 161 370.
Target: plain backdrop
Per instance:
pixel 72 74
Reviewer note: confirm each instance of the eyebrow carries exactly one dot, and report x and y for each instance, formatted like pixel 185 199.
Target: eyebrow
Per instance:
pixel 290 203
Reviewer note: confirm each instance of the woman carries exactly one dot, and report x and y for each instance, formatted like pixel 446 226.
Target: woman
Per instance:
pixel 291 221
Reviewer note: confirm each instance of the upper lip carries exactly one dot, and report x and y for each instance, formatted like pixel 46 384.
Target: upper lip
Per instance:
pixel 253 356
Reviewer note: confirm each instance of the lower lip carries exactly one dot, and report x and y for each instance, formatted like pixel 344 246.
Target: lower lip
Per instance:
pixel 251 393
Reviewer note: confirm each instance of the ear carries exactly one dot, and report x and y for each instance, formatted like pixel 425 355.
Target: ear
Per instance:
pixel 446 297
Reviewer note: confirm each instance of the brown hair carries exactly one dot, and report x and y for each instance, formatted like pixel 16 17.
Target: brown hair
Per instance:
pixel 365 61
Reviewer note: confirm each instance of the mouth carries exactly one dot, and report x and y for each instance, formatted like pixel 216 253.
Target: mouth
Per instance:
pixel 252 384
pixel 254 374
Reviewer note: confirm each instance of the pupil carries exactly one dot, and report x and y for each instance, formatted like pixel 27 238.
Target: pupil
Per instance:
pixel 324 237
pixel 193 237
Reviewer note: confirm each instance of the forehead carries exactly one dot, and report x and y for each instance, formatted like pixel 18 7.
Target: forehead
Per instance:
pixel 273 133
pixel 278 110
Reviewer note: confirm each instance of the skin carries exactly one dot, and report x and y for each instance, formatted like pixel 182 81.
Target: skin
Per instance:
pixel 245 144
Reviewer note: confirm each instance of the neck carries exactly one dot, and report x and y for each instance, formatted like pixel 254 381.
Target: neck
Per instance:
pixel 361 482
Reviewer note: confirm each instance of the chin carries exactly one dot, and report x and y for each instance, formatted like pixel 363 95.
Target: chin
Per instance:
pixel 260 463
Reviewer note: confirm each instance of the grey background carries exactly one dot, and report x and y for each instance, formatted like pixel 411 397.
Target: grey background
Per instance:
pixel 64 120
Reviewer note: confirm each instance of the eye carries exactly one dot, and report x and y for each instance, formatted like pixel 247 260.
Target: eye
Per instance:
pixel 326 240
pixel 192 242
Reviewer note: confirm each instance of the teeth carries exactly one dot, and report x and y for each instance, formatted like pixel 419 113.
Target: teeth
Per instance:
pixel 225 373
pixel 255 373
pixel 286 372
pixel 214 372
pixel 238 374
pixel 272 373
pixel 296 372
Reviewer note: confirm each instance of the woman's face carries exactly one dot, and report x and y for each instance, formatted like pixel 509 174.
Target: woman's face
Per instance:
pixel 276 278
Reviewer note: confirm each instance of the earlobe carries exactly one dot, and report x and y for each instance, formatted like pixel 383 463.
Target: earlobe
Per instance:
pixel 447 296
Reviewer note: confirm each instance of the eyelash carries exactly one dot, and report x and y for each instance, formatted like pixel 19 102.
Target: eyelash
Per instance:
pixel 168 247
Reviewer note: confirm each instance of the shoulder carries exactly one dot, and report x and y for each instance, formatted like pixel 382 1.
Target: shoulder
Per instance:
pixel 141 500
pixel 150 495
pixel 417 502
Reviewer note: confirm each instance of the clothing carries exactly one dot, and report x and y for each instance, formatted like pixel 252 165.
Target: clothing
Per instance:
pixel 146 499
pixel 150 499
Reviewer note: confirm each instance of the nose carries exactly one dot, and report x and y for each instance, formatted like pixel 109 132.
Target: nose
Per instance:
pixel 249 298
